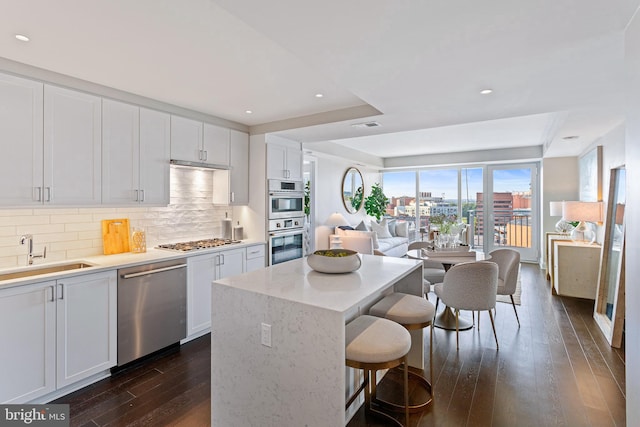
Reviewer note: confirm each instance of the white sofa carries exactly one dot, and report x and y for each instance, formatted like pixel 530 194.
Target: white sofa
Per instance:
pixel 367 242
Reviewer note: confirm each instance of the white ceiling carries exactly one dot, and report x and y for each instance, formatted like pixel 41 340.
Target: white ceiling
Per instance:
pixel 556 66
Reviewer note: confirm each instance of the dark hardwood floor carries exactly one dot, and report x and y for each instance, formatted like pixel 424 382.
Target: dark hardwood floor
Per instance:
pixel 555 370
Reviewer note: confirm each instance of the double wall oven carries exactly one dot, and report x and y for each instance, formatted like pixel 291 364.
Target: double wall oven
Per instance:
pixel 286 220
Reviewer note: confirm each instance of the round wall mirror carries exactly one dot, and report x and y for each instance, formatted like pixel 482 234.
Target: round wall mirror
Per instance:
pixel 352 190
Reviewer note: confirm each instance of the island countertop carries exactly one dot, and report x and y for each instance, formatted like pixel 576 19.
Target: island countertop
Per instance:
pixel 278 340
pixel 296 282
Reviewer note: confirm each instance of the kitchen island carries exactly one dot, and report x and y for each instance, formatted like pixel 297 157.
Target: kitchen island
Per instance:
pixel 277 341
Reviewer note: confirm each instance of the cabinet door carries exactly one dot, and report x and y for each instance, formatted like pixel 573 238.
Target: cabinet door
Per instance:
pixel 215 145
pixel 86 326
pixel 20 141
pixel 276 161
pixel 294 164
pixel 155 140
pixel 239 173
pixel 186 139
pixel 255 259
pixel 231 263
pixel 27 328
pixel 72 153
pixel 120 153
pixel 201 271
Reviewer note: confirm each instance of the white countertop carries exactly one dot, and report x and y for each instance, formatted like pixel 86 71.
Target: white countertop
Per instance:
pixel 295 281
pixel 110 262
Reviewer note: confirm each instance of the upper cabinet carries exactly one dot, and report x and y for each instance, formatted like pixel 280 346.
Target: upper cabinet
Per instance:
pixel 135 155
pixel 195 141
pixel 231 187
pixel 215 145
pixel 21 141
pixel 284 162
pixel 186 139
pixel 72 172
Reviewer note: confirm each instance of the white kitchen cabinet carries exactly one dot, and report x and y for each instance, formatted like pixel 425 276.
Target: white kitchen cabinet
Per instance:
pixel 60 332
pixel 201 271
pixel 21 132
pixel 284 162
pixel 72 148
pixel 231 187
pixel 28 331
pixel 255 258
pixel 215 145
pixel 135 155
pixel 186 139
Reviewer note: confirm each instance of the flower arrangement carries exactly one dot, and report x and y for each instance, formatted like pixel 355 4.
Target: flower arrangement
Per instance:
pixel 446 223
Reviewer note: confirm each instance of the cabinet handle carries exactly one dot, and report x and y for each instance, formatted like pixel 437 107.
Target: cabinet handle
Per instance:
pixel 222 257
pixel 142 195
pixel 52 294
pixel 49 194
pixel 135 199
pixel 199 154
pixel 61 290
pixel 37 198
pixel 233 196
pixel 206 155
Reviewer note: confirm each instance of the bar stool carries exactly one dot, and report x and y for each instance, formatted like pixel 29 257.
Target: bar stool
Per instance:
pixel 412 312
pixel 373 343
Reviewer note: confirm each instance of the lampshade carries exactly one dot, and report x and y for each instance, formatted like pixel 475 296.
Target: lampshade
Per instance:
pixel 582 211
pixel 335 220
pixel 555 208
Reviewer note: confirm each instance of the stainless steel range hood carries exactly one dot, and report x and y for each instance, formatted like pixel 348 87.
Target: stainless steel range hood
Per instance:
pixel 197 165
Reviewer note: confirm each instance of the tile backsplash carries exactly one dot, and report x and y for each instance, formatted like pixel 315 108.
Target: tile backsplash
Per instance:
pixel 76 232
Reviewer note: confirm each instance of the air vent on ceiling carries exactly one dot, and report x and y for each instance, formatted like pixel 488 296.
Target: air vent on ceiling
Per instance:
pixel 366 125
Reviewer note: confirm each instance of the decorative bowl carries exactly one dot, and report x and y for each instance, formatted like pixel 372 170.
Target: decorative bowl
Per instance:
pixel 334 261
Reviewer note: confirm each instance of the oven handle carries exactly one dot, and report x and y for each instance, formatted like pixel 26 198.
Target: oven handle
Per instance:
pixel 157 270
pixel 289 232
pixel 292 193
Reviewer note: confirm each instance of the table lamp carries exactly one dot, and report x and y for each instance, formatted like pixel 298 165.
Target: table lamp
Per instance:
pixel 562 226
pixel 583 212
pixel 335 220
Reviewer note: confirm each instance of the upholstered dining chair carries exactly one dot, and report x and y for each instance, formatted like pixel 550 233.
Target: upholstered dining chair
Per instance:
pixel 508 261
pixel 432 271
pixel 470 286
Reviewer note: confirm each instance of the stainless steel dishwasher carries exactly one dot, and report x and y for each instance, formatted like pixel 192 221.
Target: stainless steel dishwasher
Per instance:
pixel 152 308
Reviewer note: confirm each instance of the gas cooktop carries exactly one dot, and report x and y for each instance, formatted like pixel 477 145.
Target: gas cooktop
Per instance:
pixel 195 245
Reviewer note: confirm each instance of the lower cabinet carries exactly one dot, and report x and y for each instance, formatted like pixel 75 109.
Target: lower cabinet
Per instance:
pixel 255 258
pixel 56 333
pixel 201 271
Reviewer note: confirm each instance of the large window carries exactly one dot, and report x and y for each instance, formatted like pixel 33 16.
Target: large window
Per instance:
pixel 470 193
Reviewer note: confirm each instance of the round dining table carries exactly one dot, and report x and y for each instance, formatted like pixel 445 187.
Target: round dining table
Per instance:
pixel 446 319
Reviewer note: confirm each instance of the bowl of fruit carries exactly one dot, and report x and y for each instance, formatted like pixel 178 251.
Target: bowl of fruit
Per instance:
pixel 334 261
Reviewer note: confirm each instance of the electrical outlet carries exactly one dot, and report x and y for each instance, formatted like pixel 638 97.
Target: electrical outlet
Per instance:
pixel 266 334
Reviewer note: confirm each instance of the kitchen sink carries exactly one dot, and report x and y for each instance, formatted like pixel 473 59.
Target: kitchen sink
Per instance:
pixel 44 270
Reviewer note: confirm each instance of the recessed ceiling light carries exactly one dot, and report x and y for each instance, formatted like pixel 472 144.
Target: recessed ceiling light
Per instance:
pixel 570 137
pixel 249 112
pixel 486 91
pixel 365 125
pixel 319 95
pixel 22 37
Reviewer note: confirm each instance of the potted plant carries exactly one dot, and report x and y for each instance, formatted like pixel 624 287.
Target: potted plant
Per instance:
pixel 375 204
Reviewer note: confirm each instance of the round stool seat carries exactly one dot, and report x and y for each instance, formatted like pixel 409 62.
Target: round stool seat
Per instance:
pixel 405 309
pixel 371 339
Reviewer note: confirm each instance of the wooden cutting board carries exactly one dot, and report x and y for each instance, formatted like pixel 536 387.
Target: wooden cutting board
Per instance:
pixel 115 236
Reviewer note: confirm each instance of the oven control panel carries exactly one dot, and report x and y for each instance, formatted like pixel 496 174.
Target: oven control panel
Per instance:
pixel 286 223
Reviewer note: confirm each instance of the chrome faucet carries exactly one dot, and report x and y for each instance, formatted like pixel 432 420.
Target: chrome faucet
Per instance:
pixel 29 238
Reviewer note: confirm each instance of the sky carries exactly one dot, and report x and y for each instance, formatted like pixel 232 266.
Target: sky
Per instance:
pixel 445 181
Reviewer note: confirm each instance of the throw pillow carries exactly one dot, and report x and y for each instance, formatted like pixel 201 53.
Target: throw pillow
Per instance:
pixel 362 226
pixel 402 229
pixel 382 230
pixel 391 224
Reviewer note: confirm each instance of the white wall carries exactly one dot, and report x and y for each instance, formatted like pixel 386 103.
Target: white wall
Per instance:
pixel 559 182
pixel 329 194
pixel 71 233
pixel 632 159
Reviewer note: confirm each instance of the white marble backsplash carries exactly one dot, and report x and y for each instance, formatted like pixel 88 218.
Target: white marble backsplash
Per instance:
pixel 70 233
